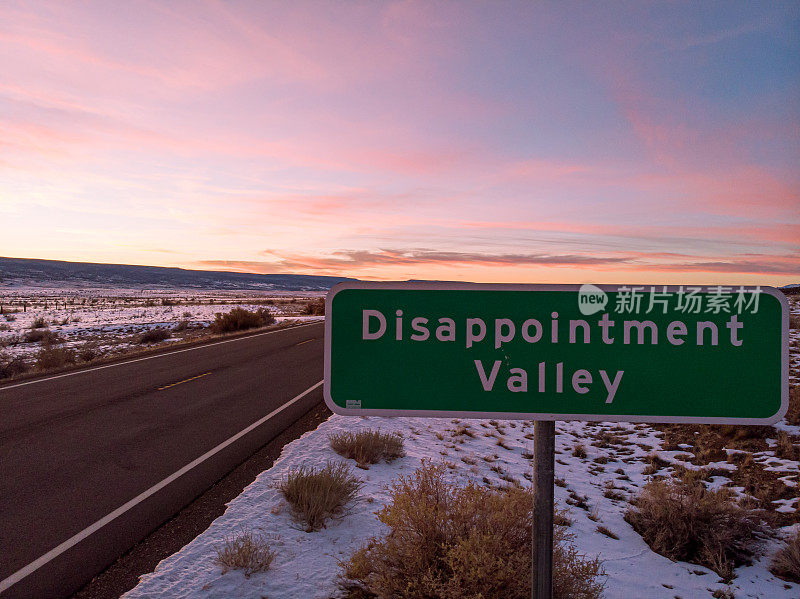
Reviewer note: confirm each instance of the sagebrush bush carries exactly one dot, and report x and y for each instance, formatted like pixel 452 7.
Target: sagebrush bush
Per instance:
pixel 240 319
pixel 155 335
pixel 43 335
pixel 88 352
pixel 469 542
pixel 368 446
pixel 39 323
pixel 12 366
pixel 688 522
pixel 315 307
pixel 317 494
pixel 786 563
pixel 50 356
pixel 246 551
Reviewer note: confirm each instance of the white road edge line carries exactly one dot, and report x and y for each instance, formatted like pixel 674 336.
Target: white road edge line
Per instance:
pixel 74 540
pixel 177 351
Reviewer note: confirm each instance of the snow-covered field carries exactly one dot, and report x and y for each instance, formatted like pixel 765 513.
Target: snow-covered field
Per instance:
pixel 306 563
pixel 111 321
pixel 617 458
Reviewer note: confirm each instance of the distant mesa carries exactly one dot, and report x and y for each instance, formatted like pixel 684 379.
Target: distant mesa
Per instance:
pixel 20 272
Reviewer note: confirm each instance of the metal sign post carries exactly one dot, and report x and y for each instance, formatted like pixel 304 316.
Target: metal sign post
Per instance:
pixel 544 436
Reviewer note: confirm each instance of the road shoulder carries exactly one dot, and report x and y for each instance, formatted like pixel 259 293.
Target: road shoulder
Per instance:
pixel 193 519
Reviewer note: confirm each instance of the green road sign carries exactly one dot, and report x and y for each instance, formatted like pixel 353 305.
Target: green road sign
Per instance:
pixel 715 354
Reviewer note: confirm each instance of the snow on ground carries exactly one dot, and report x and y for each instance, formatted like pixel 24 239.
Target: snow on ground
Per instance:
pixel 306 564
pixel 113 319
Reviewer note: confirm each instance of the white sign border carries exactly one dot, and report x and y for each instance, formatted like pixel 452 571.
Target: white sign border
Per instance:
pixel 455 286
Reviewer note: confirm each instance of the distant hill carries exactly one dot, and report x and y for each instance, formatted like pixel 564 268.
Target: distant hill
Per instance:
pixel 792 289
pixel 16 272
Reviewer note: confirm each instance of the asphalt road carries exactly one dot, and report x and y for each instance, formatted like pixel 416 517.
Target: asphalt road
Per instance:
pixel 75 448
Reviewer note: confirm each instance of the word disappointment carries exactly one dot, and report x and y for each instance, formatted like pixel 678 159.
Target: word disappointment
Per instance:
pixel 532 330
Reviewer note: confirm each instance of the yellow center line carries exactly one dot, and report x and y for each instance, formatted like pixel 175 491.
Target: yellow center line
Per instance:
pixel 185 381
pixel 302 342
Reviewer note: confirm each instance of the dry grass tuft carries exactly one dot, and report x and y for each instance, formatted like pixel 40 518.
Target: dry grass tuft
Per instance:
pixel 155 335
pixel 10 367
pixel 315 307
pixel 240 319
pixel 43 335
pixel 368 446
pixel 450 542
pixel 605 531
pixel 793 414
pixel 89 352
pixel 685 521
pixel 785 448
pixel 50 356
pixel 786 563
pixel 246 551
pixel 318 494
pixel 614 494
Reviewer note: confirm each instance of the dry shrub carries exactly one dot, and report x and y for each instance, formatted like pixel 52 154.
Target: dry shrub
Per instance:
pixel 315 307
pixel 793 414
pixel 794 322
pixel 368 446
pixel 88 352
pixel 181 326
pixel 246 551
pixel 451 542
pixel 785 448
pixel 685 521
pixel 318 494
pixel 738 433
pixel 154 335
pixel 9 340
pixel 54 357
pixel 39 323
pixel 786 563
pixel 43 335
pixel 10 367
pixel 609 533
pixel 240 319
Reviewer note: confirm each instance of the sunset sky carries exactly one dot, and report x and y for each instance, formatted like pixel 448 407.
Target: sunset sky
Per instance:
pixel 497 141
